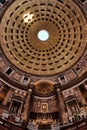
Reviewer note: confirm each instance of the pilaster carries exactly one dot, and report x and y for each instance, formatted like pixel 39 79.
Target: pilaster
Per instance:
pixel 62 107
pixel 27 105
pixel 7 97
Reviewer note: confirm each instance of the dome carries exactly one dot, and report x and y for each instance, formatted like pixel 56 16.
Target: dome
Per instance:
pixel 65 25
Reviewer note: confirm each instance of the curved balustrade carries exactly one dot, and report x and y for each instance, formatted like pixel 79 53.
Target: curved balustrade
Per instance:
pixel 8 125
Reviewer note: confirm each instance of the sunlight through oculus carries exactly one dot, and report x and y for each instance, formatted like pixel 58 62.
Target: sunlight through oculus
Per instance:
pixel 43 35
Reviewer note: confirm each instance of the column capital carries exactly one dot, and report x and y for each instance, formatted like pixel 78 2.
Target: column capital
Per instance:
pixel 29 91
pixel 58 89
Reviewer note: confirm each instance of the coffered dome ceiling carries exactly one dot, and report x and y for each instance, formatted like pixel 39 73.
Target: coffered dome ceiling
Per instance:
pixel 65 25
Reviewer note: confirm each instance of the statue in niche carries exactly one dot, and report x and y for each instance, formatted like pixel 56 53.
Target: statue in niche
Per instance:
pixel 73 110
pixel 15 110
pixel 73 106
pixel 15 107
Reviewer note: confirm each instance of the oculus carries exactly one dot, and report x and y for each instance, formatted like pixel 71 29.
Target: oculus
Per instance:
pixel 43 35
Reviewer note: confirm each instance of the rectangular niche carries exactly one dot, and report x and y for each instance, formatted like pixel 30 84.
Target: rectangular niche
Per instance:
pixel 9 71
pixel 63 79
pixel 25 80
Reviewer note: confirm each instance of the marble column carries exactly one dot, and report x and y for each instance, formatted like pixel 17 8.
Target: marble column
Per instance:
pixel 80 96
pixel 26 105
pixel 62 107
pixel 7 97
pixel 68 110
pixel 10 106
pixel 20 110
